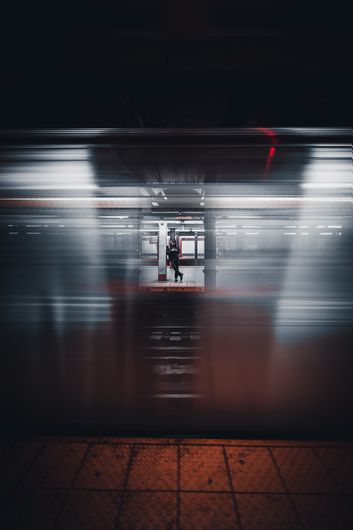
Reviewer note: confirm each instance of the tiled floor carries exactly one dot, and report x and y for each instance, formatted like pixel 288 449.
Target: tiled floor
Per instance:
pixel 193 279
pixel 136 483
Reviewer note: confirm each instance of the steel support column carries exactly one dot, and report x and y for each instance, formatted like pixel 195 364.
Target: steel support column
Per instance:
pixel 210 249
pixel 162 251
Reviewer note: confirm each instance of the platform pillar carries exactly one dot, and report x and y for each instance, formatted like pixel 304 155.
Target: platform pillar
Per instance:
pixel 162 251
pixel 210 249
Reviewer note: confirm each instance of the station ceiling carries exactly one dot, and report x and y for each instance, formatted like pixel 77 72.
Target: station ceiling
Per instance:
pixel 213 63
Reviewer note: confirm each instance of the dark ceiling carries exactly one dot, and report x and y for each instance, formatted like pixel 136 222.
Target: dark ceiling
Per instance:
pixel 219 63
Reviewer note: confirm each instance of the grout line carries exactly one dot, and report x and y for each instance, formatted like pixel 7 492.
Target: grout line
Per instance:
pixel 274 462
pixel 240 492
pixel 220 444
pixel 230 481
pixel 24 475
pixel 89 445
pixel 178 488
pixel 70 488
pixel 133 452
pixel 328 471
pixel 283 482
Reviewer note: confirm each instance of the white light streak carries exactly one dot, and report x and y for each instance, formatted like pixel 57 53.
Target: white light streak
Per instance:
pixel 113 217
pixel 112 226
pixel 326 185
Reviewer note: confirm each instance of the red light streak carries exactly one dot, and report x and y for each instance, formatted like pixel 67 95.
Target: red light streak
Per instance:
pixel 271 154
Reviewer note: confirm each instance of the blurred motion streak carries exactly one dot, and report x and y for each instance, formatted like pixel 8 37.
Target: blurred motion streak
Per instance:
pixel 257 339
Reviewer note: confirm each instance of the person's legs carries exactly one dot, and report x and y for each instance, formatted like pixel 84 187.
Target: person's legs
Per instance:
pixel 176 270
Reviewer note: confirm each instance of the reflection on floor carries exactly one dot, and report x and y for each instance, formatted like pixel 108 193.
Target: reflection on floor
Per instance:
pixel 127 483
pixel 193 279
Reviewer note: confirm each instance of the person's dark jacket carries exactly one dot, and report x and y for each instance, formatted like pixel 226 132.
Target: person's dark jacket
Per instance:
pixel 173 253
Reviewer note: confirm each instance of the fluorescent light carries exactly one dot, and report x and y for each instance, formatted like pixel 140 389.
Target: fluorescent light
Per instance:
pixel 113 216
pixel 326 185
pixel 244 216
pixel 81 187
pixel 282 199
pixel 112 226
pixel 63 199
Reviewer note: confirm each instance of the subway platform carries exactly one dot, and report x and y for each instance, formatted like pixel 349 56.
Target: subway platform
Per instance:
pixel 193 280
pixel 98 483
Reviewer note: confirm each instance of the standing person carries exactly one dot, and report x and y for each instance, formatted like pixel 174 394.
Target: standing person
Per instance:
pixel 173 256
